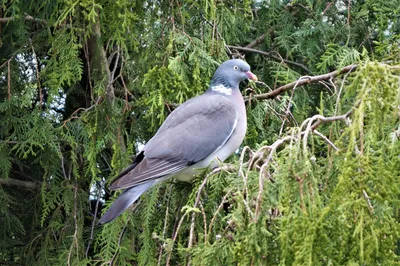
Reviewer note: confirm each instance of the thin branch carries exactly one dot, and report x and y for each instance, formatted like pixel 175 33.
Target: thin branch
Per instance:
pixel 9 79
pixel 191 234
pixel 203 212
pixel 37 75
pixel 370 207
pixel 257 41
pixel 244 177
pixel 301 191
pixel 328 6
pixel 311 79
pixel 103 66
pixel 86 52
pixel 24 175
pixel 340 91
pixel 165 225
pixel 75 236
pixel 73 115
pixel 119 244
pixel 15 183
pixel 221 205
pixel 323 119
pixel 316 120
pixel 319 134
pixel 348 13
pixel 167 263
pixel 270 55
pixel 6 62
pixel 26 18
pixel 287 112
pixel 111 81
pixel 94 221
pixel 258 155
pixel 62 164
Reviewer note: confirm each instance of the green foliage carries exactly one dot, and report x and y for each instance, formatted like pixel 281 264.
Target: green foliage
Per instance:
pixel 64 65
pixel 5 160
pixel 84 84
pixel 161 84
pixel 337 57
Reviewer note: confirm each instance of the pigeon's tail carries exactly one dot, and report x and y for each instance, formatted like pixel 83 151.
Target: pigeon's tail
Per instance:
pixel 126 199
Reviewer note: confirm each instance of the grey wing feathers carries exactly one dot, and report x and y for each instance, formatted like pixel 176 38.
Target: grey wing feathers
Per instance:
pixel 196 130
pixel 192 132
pixel 146 170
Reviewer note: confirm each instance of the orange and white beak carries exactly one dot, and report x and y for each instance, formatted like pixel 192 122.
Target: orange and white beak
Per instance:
pixel 251 76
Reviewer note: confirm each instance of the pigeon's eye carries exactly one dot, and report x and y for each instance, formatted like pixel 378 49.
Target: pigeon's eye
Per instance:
pixel 235 67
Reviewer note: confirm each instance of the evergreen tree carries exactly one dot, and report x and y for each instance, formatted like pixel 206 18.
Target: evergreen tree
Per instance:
pixel 85 83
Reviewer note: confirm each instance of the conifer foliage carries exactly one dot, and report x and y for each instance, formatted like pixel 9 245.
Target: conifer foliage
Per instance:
pixel 85 83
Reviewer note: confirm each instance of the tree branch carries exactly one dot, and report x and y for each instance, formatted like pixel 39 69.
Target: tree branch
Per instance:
pixel 257 41
pixel 261 38
pixel 15 183
pixel 99 58
pixel 26 18
pixel 303 81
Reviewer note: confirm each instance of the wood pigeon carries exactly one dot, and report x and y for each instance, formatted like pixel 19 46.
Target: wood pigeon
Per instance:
pixel 197 134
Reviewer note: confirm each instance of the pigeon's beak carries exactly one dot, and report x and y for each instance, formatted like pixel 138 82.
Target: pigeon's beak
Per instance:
pixel 251 76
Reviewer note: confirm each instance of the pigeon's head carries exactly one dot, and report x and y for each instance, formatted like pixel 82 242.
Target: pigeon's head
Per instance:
pixel 230 73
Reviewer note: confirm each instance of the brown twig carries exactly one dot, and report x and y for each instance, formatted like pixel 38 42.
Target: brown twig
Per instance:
pixel 126 92
pixel 63 165
pixel 348 13
pixel 9 79
pixel 93 222
pixel 287 112
pixel 112 79
pixel 191 234
pixel 103 61
pixel 19 184
pixel 324 138
pixel 165 226
pixel 73 115
pixel 221 205
pixel 203 212
pixel 340 91
pixel 240 171
pixel 301 191
pixel 26 18
pixel 86 52
pixel 75 236
pixel 316 120
pixel 311 79
pixel 119 245
pixel 167 263
pixel 328 6
pixel 257 41
pixel 370 207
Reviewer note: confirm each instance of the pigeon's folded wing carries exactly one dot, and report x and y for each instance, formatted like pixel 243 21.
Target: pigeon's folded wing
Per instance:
pixel 190 134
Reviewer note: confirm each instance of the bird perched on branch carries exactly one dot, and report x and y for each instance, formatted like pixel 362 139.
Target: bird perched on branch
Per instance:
pixel 199 133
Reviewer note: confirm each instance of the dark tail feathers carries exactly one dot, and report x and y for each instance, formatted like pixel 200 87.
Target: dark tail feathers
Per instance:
pixel 124 201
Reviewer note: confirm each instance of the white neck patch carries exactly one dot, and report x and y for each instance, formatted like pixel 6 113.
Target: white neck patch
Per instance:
pixel 222 89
